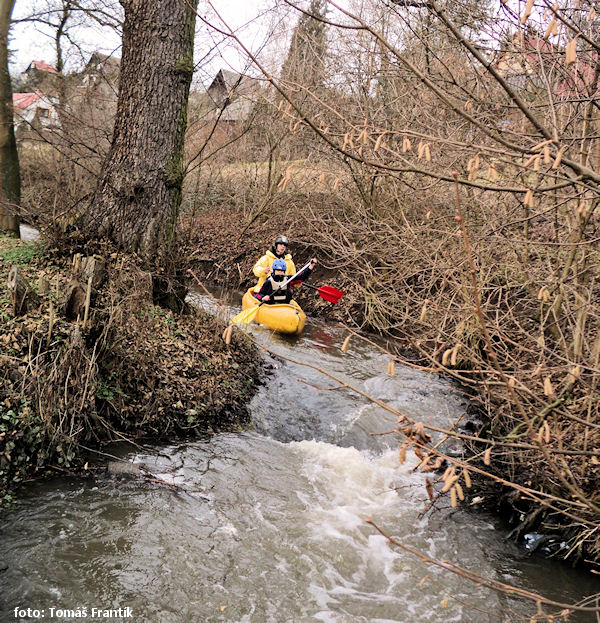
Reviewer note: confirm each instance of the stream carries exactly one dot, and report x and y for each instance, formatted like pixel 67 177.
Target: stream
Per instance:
pixel 268 525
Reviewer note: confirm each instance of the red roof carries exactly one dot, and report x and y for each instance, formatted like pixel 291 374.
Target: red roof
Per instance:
pixel 576 81
pixel 21 101
pixel 41 66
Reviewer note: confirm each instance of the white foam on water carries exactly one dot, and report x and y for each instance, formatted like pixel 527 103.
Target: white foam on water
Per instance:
pixel 360 575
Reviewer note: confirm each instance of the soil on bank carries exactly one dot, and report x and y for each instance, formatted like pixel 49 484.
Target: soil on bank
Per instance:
pixel 133 370
pixel 223 255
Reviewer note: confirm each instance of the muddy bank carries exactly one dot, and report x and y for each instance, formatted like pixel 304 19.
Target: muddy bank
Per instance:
pixel 75 375
pixel 223 255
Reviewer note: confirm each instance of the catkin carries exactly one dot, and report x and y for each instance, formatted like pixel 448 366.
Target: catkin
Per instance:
pixel 227 334
pixel 402 453
pixel 450 483
pixel 346 344
pixel 546 432
pixel 446 356
pixel 552 29
pixel 459 492
pixel 467 478
pixel 531 159
pixel 453 501
pixel 527 12
pixel 454 355
pixel 487 456
pixel 558 158
pixel 571 52
pixel 429 489
pixel 547 159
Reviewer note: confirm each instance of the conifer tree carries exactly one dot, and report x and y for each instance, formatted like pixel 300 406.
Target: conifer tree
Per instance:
pixel 305 61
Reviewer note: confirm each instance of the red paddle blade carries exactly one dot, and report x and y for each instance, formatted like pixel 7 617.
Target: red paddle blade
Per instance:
pixel 331 295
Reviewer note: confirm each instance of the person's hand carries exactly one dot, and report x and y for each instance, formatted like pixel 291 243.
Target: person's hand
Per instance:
pixel 267 270
pixel 266 298
pixel 313 262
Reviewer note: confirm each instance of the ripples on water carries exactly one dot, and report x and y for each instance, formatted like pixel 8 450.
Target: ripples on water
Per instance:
pixel 269 524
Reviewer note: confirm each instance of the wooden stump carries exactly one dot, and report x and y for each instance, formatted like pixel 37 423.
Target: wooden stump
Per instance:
pixel 22 295
pixel 43 285
pixel 73 302
pixel 93 266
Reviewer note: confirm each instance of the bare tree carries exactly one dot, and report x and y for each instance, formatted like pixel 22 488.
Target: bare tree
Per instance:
pixel 10 192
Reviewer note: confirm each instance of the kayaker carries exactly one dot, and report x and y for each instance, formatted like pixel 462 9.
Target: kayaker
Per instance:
pixel 279 251
pixel 269 292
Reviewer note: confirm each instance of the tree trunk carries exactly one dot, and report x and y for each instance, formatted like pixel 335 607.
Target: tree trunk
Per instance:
pixel 139 192
pixel 10 176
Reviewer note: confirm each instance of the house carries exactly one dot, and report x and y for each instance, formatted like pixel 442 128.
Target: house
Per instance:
pixel 100 68
pixel 37 69
pixel 523 59
pixel 528 60
pixel 232 96
pixel 34 110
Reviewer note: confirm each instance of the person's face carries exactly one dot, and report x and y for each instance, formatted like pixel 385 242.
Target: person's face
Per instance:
pixel 279 273
pixel 281 248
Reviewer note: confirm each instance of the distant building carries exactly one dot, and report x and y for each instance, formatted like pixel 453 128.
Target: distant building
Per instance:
pixel 528 60
pixel 38 75
pixel 34 111
pixel 37 69
pixel 100 67
pixel 232 95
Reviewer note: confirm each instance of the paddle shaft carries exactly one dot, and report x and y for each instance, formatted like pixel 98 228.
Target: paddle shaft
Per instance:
pixel 248 315
pixel 288 281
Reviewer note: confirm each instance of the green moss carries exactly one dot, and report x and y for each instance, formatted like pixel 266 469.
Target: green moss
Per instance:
pixel 174 171
pixel 185 65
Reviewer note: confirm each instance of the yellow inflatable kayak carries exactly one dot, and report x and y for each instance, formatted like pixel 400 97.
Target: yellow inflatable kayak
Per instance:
pixel 281 318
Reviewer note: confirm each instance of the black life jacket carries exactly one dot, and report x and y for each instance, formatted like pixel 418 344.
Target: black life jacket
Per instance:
pixel 281 295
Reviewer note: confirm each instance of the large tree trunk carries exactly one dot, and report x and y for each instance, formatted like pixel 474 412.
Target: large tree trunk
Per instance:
pixel 10 177
pixel 139 191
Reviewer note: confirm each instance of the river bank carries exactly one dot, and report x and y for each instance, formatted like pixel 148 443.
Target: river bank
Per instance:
pixel 268 524
pixel 537 464
pixel 74 375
